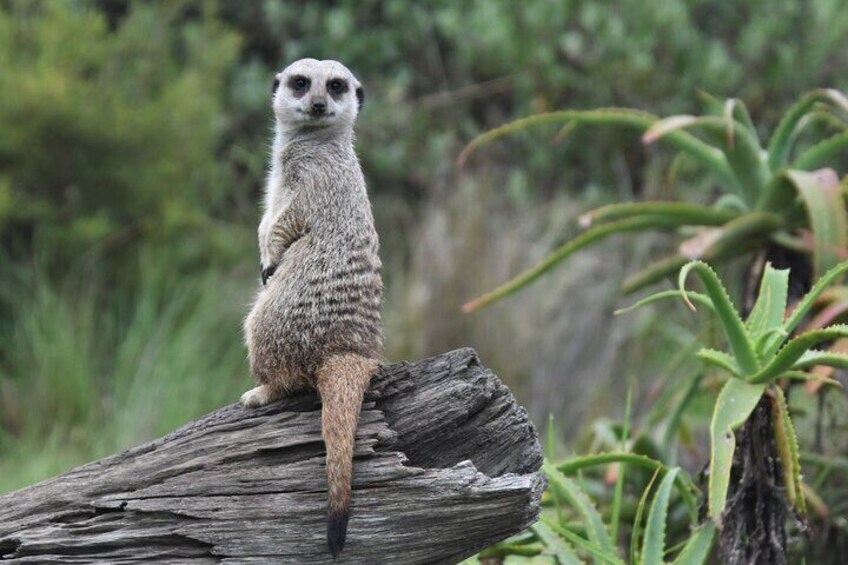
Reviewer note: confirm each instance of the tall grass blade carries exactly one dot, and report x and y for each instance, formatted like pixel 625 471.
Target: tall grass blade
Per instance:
pixel 619 480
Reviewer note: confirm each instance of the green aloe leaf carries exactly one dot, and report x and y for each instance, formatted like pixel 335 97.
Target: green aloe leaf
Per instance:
pixel 697 549
pixel 654 547
pixel 721 360
pixel 561 550
pixel 741 149
pixel 810 298
pixel 593 549
pixel 736 237
pixel 787 448
pixel 792 352
pixel 595 527
pixel 780 145
pixel 684 484
pixel 636 534
pixel 693 296
pixel 668 213
pixel 585 239
pixel 731 323
pixel 656 271
pixel 768 312
pixel 709 156
pixel 831 358
pixel 734 405
pixel 822 196
pixel 735 110
pixel 822 152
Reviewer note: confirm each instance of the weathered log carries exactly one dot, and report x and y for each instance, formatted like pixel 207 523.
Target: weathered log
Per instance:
pixel 446 463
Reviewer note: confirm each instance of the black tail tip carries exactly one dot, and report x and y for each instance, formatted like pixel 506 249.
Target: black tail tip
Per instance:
pixel 337 531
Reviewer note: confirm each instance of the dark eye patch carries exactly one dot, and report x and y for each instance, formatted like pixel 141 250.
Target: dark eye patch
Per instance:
pixel 336 87
pixel 275 86
pixel 299 85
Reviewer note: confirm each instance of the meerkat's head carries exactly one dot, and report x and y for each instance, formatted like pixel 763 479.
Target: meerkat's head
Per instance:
pixel 316 94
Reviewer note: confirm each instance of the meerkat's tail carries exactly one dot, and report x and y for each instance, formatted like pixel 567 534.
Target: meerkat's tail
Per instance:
pixel 342 382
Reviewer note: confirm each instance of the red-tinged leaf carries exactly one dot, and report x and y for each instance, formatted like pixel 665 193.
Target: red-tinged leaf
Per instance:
pixel 668 125
pixel 825 371
pixel 822 196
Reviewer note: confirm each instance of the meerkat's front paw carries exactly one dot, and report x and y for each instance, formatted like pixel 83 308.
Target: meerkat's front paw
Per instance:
pixel 259 396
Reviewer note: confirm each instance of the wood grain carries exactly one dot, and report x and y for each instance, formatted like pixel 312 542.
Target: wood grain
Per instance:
pixel 446 463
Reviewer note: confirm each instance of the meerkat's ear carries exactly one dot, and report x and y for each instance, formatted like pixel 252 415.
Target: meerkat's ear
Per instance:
pixel 360 96
pixel 276 85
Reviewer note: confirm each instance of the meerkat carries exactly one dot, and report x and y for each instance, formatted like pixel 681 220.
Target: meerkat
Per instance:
pixel 316 321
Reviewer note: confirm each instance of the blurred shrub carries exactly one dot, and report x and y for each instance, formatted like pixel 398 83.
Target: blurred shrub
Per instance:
pixel 109 135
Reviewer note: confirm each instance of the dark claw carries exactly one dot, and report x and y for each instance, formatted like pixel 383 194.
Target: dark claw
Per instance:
pixel 267 272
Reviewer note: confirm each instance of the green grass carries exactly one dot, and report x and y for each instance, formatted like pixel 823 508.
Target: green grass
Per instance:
pixel 86 374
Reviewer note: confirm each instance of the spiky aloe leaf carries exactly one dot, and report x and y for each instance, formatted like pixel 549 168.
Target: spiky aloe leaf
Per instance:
pixel 737 236
pixel 787 449
pixel 741 149
pixel 735 110
pixel 721 360
pixel 822 152
pixel 669 213
pixel 585 239
pixel 636 535
pixel 656 271
pixel 693 296
pixel 734 405
pixel 767 314
pixel 709 156
pixel 810 298
pixel 595 528
pixel 593 549
pixel 563 552
pixel 735 331
pixel 697 549
pixel 830 358
pixel 780 145
pixel 654 547
pixel 786 358
pixel 822 196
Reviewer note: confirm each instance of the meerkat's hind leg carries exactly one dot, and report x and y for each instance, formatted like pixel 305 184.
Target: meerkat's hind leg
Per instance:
pixel 260 396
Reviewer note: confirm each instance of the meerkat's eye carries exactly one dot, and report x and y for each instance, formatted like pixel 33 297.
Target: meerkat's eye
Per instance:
pixel 299 83
pixel 336 86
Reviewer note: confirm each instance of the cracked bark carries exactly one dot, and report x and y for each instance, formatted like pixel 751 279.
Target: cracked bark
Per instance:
pixel 446 463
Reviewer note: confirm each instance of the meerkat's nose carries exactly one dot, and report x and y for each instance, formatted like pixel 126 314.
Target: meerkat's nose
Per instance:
pixel 319 106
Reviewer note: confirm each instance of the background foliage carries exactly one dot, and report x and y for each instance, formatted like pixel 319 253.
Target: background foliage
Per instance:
pixel 133 141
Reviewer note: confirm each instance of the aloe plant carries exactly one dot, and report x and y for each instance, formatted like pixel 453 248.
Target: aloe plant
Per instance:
pixel 587 535
pixel 775 192
pixel 760 354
